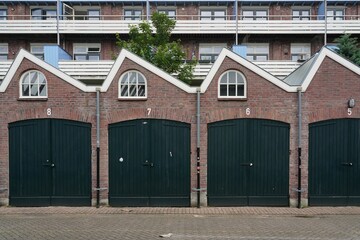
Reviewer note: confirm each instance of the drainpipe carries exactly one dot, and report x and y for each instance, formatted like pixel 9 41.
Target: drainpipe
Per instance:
pixel 57 22
pixel 325 32
pixel 236 23
pixel 299 146
pixel 97 147
pixel 198 145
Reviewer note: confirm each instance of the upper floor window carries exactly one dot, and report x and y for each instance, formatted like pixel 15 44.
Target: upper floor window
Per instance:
pixel 335 14
pixel 212 14
pixel 210 52
pixel 37 49
pixel 4 50
pixel 87 51
pixel 256 14
pixel 93 14
pixel 33 85
pixel 171 13
pixel 43 14
pixel 3 14
pixel 300 51
pixel 232 84
pixel 132 14
pixel 257 51
pixel 301 14
pixel 132 84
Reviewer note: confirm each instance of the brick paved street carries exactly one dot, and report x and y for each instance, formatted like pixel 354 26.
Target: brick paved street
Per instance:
pixel 118 223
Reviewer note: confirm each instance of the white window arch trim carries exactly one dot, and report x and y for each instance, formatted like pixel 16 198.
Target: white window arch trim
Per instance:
pixel 236 83
pixel 135 84
pixel 37 87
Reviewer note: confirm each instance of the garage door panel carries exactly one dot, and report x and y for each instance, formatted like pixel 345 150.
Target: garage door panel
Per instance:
pixel 40 172
pixel 248 163
pixel 127 173
pixel 333 162
pixel 170 147
pixel 158 169
pixel 29 169
pixel 269 153
pixel 71 154
pixel 229 169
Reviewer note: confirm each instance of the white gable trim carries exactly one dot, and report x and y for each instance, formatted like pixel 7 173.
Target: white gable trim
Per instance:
pixel 227 53
pixel 24 54
pixel 325 52
pixel 143 63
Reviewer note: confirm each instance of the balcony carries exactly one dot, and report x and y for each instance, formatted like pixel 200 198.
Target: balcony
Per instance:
pixel 184 25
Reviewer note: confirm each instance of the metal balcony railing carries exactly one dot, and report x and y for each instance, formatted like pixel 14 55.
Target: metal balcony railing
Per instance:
pixel 184 25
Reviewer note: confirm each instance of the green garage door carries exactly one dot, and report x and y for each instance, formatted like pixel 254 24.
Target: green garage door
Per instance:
pixel 248 163
pixel 50 163
pixel 334 163
pixel 149 163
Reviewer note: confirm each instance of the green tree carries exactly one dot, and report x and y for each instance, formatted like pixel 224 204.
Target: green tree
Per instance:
pixel 348 47
pixel 157 48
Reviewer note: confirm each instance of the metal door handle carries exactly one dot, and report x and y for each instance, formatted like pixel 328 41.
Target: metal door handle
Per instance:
pixel 52 165
pixel 346 164
pixel 247 164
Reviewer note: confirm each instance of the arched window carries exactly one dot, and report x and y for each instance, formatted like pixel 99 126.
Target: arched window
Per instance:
pixel 132 84
pixel 33 85
pixel 232 84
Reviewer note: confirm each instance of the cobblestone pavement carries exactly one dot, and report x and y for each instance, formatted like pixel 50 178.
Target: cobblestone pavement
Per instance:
pixel 150 223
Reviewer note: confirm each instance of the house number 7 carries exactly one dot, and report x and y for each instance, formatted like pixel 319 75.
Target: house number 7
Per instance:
pixel 148 111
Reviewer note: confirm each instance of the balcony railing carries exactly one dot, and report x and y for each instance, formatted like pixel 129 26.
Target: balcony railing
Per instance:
pixel 184 25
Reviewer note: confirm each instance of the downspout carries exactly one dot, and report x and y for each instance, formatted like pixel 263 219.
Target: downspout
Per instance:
pixel 198 145
pixel 299 146
pixel 97 147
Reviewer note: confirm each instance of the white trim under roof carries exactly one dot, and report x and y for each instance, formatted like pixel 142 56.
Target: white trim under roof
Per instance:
pixel 145 64
pixel 325 52
pixel 24 54
pixel 249 65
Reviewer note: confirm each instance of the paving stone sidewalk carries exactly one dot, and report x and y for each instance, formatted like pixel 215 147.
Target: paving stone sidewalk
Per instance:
pixel 310 211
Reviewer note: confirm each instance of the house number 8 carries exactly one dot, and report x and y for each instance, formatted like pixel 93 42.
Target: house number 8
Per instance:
pixel 48 111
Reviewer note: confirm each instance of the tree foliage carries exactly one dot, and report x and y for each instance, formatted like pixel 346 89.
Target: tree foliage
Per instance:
pixel 348 47
pixel 158 48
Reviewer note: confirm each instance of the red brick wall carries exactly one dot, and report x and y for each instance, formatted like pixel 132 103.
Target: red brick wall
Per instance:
pixel 265 101
pixel 65 101
pixel 326 98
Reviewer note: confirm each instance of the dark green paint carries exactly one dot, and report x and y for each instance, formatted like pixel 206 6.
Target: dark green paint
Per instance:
pixel 50 163
pixel 235 144
pixel 155 166
pixel 334 169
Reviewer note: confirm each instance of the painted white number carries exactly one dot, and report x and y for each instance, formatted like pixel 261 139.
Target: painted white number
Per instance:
pixel 248 111
pixel 349 111
pixel 148 111
pixel 48 111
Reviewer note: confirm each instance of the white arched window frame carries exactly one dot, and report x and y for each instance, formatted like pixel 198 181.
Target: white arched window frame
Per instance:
pixel 232 84
pixel 132 85
pixel 33 84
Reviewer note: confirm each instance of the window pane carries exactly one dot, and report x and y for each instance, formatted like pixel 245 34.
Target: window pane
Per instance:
pixel 125 79
pixel 232 90
pixel 41 79
pixel 34 90
pixel 33 77
pixel 132 90
pixel 124 90
pixel 42 89
pixel 224 79
pixel 232 78
pixel 141 79
pixel 223 90
pixel 93 57
pixel 261 58
pixel 240 90
pixel 26 79
pixel 132 78
pixel 239 79
pixel 80 49
pixel 25 90
pixel 141 91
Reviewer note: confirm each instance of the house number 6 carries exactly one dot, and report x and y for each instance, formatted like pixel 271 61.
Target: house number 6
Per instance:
pixel 48 111
pixel 247 111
